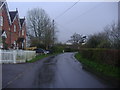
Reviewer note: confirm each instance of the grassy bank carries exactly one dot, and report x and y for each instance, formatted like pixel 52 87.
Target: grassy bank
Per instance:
pixel 38 57
pixel 103 69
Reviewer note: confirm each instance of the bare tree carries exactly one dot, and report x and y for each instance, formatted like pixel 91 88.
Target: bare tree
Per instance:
pixel 77 39
pixel 113 33
pixel 40 27
pixel 109 38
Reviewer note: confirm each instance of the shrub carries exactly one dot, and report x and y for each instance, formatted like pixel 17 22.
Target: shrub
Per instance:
pixel 103 56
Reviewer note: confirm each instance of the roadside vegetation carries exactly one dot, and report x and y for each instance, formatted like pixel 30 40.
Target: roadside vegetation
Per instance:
pixel 104 69
pixel 41 56
pixel 110 73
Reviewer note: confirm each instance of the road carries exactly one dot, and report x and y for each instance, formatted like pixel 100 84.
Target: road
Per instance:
pixel 61 71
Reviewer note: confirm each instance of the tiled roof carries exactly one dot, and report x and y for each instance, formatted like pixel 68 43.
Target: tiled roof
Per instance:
pixel 22 21
pixel 12 15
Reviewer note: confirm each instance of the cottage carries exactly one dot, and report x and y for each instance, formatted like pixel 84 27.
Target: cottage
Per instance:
pixel 12 29
pixel 5 23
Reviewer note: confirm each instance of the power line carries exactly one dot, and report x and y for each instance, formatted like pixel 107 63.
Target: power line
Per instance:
pixel 67 10
pixel 76 18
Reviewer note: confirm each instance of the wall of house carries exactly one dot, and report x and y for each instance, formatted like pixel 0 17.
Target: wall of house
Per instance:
pixel 6 25
pixel 1 32
pixel 15 34
pixel 22 34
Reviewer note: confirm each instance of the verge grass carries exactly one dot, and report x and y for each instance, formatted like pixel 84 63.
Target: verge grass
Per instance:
pixel 104 69
pixel 40 56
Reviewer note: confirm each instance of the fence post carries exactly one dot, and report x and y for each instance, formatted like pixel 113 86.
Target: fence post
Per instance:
pixel 14 56
pixel 25 55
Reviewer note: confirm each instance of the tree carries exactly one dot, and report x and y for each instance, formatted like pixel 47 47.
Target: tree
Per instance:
pixel 98 40
pixel 40 28
pixel 77 39
pixel 113 33
pixel 109 38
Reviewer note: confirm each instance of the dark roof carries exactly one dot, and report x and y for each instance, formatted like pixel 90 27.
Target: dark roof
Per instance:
pixel 12 15
pixel 22 21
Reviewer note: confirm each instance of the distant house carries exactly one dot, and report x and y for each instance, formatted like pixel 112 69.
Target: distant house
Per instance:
pixel 12 28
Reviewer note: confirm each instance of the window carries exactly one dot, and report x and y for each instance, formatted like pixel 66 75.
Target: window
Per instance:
pixel 1 21
pixel 14 28
pixel 22 32
pixel 14 42
pixel 19 33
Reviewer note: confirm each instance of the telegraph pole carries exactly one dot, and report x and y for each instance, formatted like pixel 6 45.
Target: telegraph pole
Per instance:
pixel 53 31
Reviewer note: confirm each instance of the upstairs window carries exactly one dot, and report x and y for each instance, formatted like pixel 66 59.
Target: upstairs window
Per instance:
pixel 14 28
pixel 1 21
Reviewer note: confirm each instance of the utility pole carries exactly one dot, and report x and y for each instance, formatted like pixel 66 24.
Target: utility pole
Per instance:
pixel 53 32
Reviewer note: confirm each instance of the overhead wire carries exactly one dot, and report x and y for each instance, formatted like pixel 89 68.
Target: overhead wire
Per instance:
pixel 76 18
pixel 67 10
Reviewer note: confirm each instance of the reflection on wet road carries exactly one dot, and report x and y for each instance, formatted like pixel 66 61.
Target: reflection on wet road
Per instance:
pixel 61 71
pixel 46 73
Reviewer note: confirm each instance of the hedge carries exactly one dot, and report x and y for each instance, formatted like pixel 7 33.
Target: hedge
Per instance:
pixel 103 56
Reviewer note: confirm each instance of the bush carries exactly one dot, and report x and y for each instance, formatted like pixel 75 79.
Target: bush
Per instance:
pixel 103 56
pixel 103 69
pixel 57 49
pixel 70 50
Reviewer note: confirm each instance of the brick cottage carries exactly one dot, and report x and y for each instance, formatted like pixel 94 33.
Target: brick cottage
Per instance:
pixel 12 29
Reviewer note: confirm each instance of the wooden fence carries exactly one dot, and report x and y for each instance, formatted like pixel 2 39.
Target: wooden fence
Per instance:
pixel 16 56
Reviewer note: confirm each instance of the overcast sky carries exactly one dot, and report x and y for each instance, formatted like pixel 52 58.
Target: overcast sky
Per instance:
pixel 84 18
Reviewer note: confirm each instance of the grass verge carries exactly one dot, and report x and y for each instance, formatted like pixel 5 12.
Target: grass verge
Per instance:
pixel 38 57
pixel 103 69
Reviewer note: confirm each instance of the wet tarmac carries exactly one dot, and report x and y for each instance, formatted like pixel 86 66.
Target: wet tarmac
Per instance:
pixel 61 71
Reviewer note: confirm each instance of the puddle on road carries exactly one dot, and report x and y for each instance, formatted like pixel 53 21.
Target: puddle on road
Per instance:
pixel 46 73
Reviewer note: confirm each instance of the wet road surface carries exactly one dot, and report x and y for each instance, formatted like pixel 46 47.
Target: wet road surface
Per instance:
pixel 61 71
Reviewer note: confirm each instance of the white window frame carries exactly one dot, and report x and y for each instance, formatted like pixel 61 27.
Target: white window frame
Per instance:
pixel 22 32
pixel 1 20
pixel 14 28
